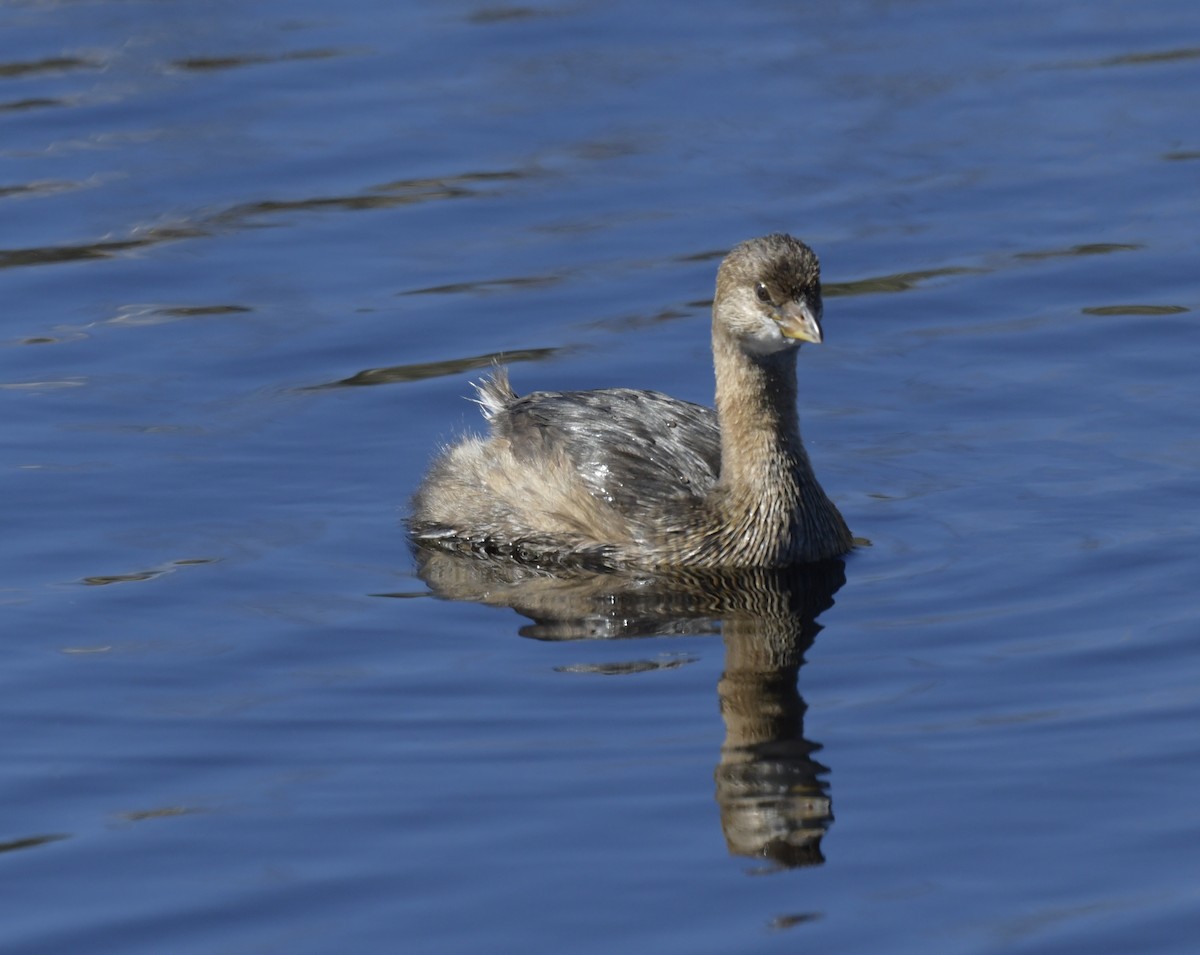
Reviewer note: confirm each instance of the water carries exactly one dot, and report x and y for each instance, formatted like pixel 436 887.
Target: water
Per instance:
pixel 234 720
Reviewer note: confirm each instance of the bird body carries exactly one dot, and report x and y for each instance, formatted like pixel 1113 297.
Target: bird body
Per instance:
pixel 627 478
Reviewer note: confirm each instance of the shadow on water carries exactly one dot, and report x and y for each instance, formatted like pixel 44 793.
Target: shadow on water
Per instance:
pixel 772 794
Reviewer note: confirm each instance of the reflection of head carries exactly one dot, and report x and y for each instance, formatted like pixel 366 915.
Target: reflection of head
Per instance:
pixel 773 800
pixel 777 811
pixel 774 803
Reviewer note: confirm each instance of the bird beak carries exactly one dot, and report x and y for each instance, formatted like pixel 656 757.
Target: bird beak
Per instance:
pixel 799 320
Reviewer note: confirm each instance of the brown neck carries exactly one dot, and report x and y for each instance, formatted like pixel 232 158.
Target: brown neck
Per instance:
pixel 760 429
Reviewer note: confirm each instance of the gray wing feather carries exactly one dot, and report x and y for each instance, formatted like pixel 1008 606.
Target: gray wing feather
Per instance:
pixel 636 449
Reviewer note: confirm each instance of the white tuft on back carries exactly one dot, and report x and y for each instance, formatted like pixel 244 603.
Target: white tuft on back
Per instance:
pixel 494 393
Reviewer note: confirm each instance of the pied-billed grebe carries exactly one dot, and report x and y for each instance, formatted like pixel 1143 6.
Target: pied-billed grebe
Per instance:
pixel 638 479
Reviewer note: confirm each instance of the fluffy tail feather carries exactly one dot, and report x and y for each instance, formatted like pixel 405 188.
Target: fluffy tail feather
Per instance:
pixel 494 394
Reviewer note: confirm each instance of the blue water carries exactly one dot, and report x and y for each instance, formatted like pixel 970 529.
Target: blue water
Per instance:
pixel 251 256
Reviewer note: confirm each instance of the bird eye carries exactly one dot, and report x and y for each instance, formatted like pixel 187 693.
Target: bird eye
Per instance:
pixel 761 291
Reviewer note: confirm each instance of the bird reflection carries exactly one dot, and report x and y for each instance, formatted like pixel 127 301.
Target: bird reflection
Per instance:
pixel 773 796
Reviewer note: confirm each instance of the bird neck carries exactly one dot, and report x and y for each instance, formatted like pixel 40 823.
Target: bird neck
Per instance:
pixel 760 428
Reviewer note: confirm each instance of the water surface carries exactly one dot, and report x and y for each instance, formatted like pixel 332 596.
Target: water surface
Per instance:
pixel 251 256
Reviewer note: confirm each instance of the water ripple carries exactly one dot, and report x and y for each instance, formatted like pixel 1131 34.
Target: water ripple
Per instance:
pixel 250 214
